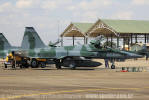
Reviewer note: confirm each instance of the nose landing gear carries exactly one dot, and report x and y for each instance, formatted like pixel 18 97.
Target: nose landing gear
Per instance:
pixel 113 65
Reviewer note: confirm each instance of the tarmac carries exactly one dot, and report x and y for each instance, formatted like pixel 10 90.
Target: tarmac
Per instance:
pixel 80 84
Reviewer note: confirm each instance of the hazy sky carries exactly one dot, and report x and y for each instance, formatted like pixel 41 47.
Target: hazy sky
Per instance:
pixel 47 15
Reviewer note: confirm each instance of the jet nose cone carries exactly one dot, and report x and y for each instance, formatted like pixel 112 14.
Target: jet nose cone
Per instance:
pixel 138 56
pixel 133 55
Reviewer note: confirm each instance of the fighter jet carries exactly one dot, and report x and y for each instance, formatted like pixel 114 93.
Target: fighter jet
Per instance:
pixel 5 46
pixel 33 44
pixel 68 56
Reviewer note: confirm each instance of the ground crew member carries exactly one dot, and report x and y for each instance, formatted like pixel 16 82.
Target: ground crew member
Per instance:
pixel 106 63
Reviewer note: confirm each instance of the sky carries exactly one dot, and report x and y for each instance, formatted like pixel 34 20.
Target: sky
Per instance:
pixel 51 17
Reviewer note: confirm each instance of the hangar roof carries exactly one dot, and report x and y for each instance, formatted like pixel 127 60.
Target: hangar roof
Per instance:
pixel 76 30
pixel 128 26
pixel 107 27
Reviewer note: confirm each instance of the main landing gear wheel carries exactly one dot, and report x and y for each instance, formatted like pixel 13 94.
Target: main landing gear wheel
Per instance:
pixel 72 65
pixel 58 64
pixel 69 62
pixel 34 63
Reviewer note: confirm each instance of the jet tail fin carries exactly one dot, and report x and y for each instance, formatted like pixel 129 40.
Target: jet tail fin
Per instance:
pixel 31 39
pixel 4 44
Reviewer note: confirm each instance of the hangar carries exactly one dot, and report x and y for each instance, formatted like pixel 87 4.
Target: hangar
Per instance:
pixel 129 31
pixel 76 30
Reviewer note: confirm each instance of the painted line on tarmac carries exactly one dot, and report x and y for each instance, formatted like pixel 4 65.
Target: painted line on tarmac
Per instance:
pixel 70 91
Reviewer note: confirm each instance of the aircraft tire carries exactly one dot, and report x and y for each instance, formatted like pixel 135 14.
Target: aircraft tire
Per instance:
pixel 58 64
pixel 72 65
pixel 112 66
pixel 69 62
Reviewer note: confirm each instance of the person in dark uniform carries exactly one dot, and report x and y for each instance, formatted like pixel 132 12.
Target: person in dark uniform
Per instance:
pixel 106 63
